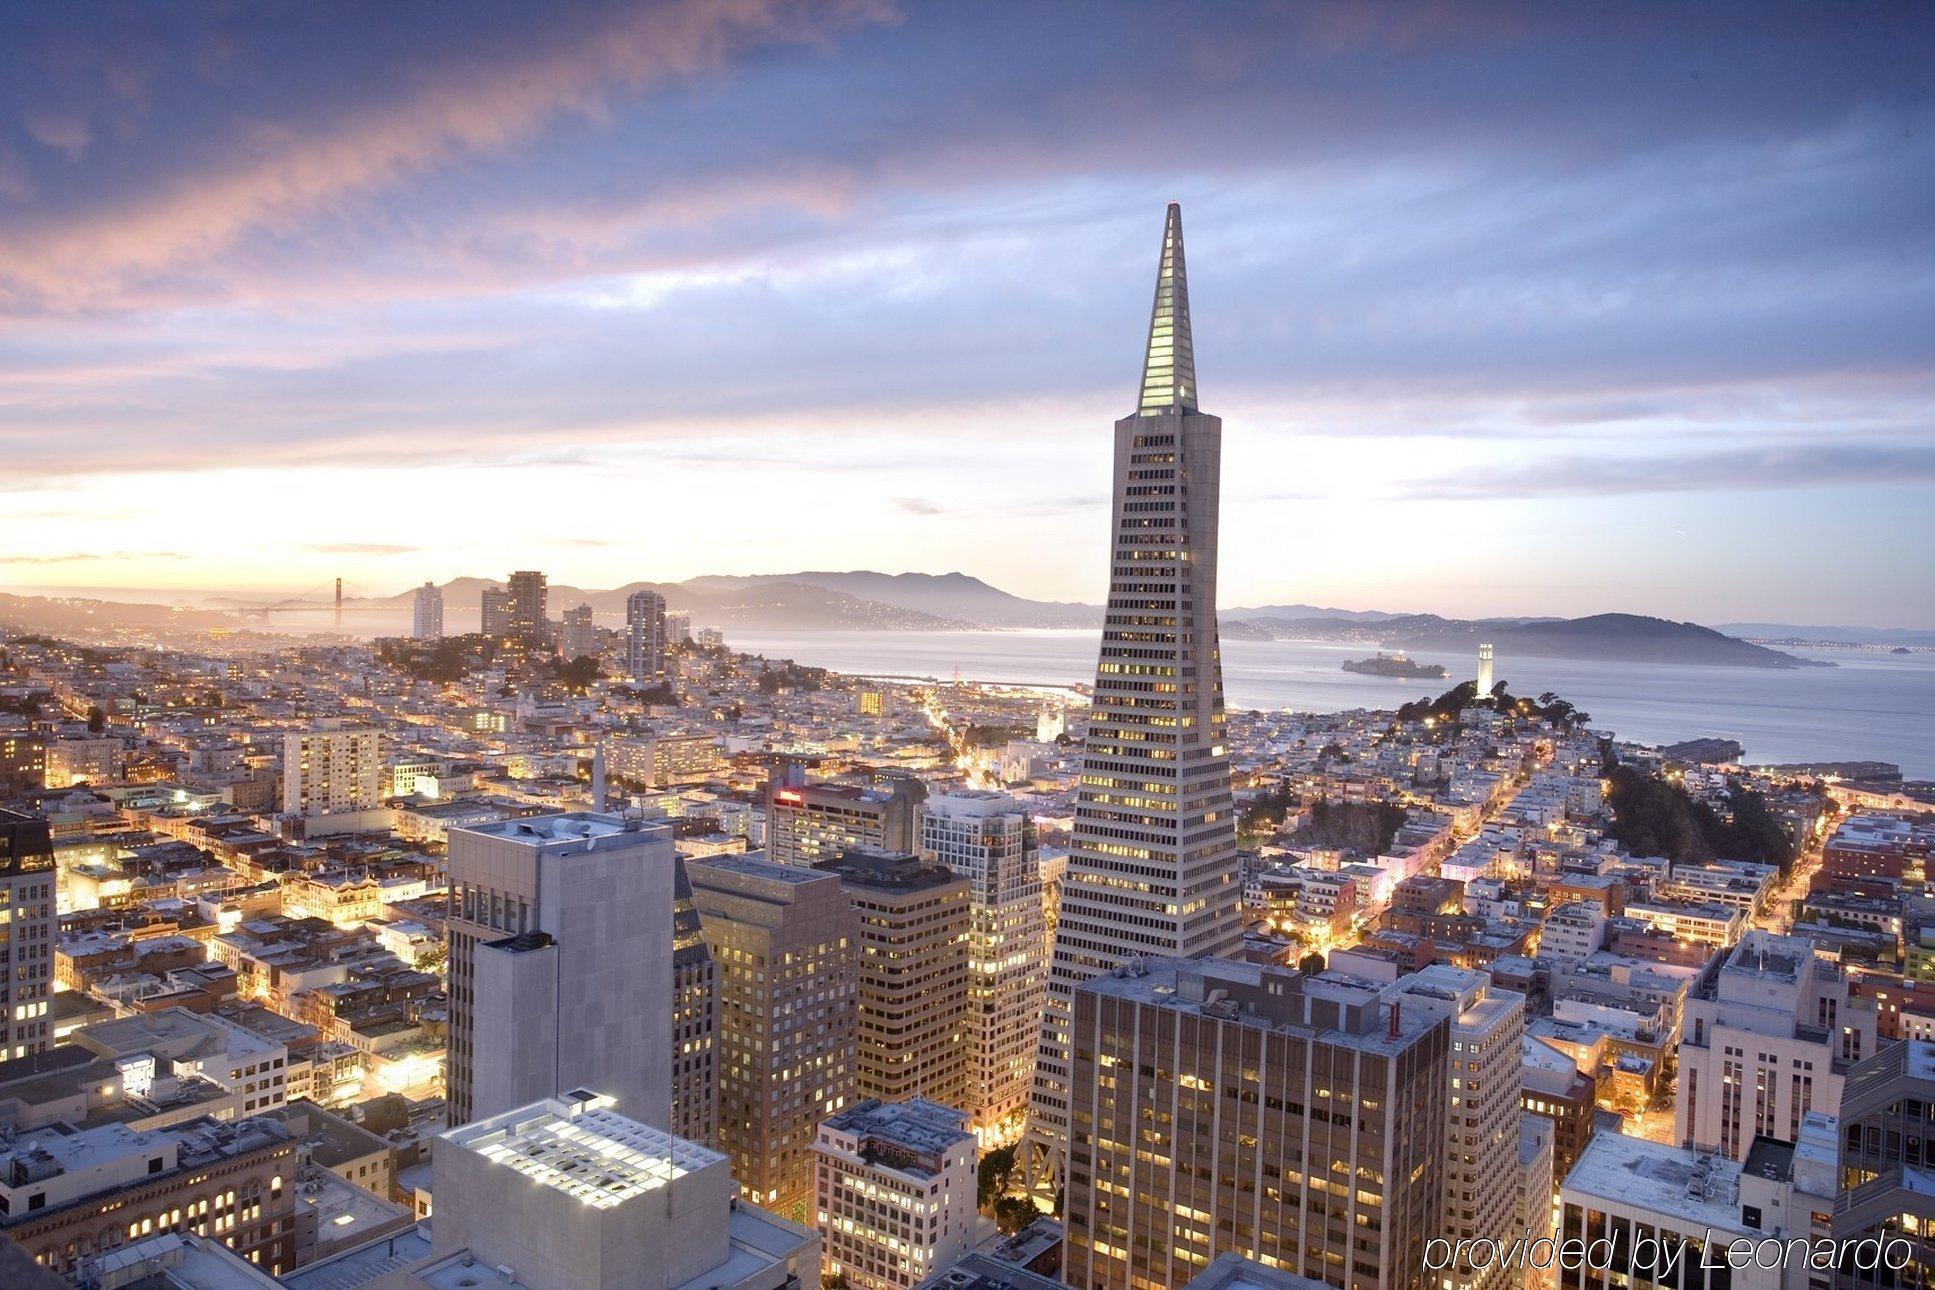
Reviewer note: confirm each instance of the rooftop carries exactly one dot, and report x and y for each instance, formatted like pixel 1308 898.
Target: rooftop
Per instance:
pixel 577 1145
pixel 571 829
pixel 1694 1188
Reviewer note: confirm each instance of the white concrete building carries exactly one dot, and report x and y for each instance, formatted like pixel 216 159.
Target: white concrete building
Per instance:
pixel 426 617
pixel 1765 1037
pixel 1672 1214
pixel 1573 932
pixel 560 972
pixel 566 1194
pixel 333 771
pixel 894 1191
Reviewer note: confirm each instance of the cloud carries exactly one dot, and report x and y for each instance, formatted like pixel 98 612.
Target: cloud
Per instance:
pixel 77 557
pixel 361 548
pixel 279 174
pixel 1818 465
pixel 917 506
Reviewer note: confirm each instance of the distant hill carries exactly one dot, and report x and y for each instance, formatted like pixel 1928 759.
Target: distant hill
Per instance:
pixel 772 604
pixel 941 595
pixel 1886 636
pixel 866 599
pixel 1620 638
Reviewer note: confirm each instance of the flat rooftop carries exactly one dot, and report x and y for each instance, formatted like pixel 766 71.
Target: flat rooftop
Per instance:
pixel 754 864
pixel 577 1145
pixel 1696 1189
pixel 568 828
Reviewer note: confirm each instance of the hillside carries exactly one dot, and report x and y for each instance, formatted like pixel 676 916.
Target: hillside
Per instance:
pixel 939 595
pixel 1618 638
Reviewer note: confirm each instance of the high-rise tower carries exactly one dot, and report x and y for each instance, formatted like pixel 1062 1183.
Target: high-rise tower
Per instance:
pixel 1152 861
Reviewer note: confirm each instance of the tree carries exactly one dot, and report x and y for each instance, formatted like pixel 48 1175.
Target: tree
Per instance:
pixel 1012 1213
pixel 96 720
pixel 834 1281
pixel 580 674
pixel 997 1168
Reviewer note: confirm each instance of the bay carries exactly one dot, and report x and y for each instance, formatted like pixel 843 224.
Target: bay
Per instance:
pixel 1870 706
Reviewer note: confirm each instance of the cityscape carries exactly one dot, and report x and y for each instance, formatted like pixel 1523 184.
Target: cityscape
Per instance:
pixel 581 926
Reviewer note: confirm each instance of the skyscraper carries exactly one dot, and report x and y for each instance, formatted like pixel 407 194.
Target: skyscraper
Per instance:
pixel 1228 1107
pixel 26 934
pixel 578 637
pixel 645 637
pixel 560 936
pixel 525 618
pixel 494 613
pixel 1152 858
pixel 785 939
pixel 426 623
pixel 695 1020
pixel 989 840
pixel 914 997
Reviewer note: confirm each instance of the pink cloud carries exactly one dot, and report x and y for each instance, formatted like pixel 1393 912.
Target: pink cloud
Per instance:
pixel 285 174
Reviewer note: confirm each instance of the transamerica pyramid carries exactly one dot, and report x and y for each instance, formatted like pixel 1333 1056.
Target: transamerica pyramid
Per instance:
pixel 1152 862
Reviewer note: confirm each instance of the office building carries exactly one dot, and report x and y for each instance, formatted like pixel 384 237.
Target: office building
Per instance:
pixel 1671 1213
pixel 1152 863
pixel 785 940
pixel 1886 1138
pixel 426 617
pixel 807 823
pixel 567 1194
pixel 578 634
pixel 987 839
pixel 333 771
pixel 695 1020
pixel 678 627
pixel 895 1187
pixel 71 1195
pixel 525 623
pixel 1298 1121
pixel 27 927
pixel 494 613
pixel 1483 1116
pixel 560 963
pixel 913 1001
pixel 1766 1035
pixel 645 640
pixel 23 763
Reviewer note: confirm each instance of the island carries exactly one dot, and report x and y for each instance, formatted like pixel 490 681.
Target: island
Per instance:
pixel 1394 665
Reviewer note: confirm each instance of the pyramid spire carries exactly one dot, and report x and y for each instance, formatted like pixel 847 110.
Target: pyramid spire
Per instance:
pixel 1169 365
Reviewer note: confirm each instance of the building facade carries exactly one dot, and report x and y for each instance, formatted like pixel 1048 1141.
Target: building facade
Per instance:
pixel 567 1194
pixel 332 772
pixel 987 839
pixel 524 613
pixel 1228 1107
pixel 807 823
pixel 578 633
pixel 895 1192
pixel 1766 1035
pixel 426 613
pixel 913 920
pixel 785 940
pixel 695 1020
pixel 28 924
pixel 645 642
pixel 560 963
pixel 1483 1116
pixel 1152 865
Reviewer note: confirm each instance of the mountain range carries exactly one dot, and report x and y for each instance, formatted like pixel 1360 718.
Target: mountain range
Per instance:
pixel 865 599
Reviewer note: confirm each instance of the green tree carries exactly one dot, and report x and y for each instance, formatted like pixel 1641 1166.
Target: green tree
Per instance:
pixel 997 1168
pixel 1012 1213
pixel 96 720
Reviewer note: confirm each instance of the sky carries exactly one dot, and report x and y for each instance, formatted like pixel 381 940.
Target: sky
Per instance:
pixel 1539 309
